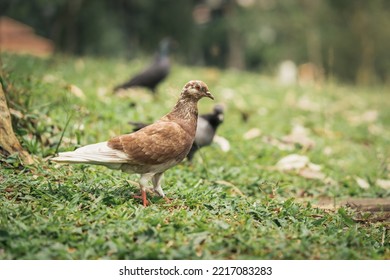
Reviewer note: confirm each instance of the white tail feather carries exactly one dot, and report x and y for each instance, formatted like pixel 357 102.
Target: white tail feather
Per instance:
pixel 99 154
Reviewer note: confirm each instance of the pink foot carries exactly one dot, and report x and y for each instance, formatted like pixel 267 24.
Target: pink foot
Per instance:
pixel 145 202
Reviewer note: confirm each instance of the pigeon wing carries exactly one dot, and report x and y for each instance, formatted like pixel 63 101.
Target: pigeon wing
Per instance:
pixel 154 144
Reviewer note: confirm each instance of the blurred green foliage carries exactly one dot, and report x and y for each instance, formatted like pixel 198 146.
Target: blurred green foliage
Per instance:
pixel 349 40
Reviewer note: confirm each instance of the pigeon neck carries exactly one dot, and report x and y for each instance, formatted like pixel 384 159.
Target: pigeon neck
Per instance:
pixel 185 109
pixel 214 119
pixel 164 50
pixel 185 113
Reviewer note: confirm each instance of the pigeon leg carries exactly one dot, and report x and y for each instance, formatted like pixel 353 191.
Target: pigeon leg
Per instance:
pixel 143 182
pixel 191 153
pixel 156 180
pixel 145 202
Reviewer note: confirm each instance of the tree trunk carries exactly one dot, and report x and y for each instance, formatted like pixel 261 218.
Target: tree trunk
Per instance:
pixel 360 25
pixel 9 144
pixel 236 54
pixel 236 58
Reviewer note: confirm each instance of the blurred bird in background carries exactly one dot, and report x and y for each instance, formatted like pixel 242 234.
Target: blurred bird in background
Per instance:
pixel 205 131
pixel 155 73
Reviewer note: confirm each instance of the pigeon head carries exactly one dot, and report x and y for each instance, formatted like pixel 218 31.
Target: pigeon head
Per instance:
pixel 196 90
pixel 218 109
pixel 165 46
pixel 218 112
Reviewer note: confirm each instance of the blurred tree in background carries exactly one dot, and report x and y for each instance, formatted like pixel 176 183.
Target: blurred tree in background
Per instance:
pixel 348 39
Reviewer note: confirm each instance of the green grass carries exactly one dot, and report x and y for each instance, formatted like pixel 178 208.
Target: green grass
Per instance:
pixel 231 205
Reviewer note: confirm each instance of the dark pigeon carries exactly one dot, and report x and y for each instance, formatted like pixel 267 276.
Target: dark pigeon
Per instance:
pixel 154 74
pixel 205 130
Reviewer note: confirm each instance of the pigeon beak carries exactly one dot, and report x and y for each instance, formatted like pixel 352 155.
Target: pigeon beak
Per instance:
pixel 209 95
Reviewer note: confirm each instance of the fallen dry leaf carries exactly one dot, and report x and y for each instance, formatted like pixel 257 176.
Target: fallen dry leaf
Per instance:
pixel 325 132
pixel 69 141
pixel 79 127
pixel 71 250
pixel 303 167
pixel 384 184
pixel 327 151
pixel 304 103
pixel 76 91
pixel 252 133
pixel 278 143
pixel 376 129
pixel 102 95
pixel 292 162
pixel 311 174
pixel 299 135
pixel 222 142
pixel 51 79
pixel 365 117
pixel 362 183
pixel 102 91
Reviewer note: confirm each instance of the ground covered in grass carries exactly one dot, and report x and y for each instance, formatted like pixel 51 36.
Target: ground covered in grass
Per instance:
pixel 291 147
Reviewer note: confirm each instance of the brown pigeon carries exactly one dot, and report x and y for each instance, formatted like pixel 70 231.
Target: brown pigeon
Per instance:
pixel 151 150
